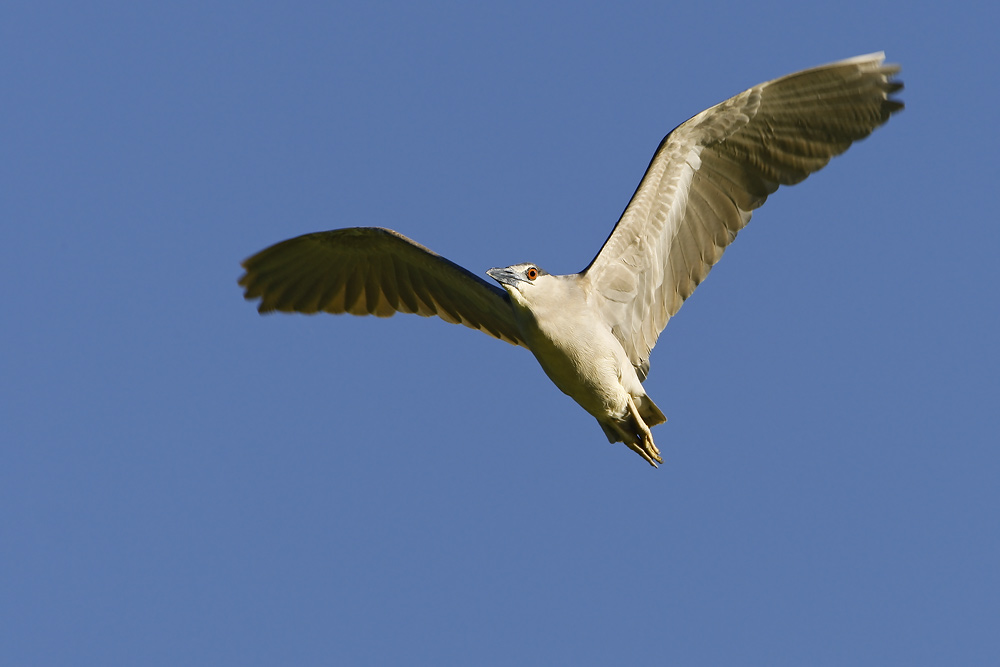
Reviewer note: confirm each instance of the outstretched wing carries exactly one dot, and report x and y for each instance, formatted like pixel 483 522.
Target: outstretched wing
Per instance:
pixel 374 271
pixel 713 170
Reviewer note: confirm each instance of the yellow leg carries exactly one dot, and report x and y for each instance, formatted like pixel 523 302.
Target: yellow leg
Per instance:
pixel 651 451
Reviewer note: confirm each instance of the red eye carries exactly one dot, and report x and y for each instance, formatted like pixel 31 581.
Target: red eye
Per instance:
pixel 532 273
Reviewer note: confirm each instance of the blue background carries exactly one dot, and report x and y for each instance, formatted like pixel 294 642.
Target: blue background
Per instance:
pixel 185 482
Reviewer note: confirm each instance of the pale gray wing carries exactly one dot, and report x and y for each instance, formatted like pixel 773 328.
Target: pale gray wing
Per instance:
pixel 713 170
pixel 374 271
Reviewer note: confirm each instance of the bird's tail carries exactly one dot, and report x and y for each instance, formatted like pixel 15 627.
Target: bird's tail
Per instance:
pixel 647 410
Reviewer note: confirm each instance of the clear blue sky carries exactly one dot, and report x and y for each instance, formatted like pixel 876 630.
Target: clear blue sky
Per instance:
pixel 184 482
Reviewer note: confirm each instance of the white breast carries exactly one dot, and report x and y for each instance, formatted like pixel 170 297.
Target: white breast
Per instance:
pixel 574 347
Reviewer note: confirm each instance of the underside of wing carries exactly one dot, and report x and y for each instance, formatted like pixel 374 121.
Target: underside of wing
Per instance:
pixel 374 271
pixel 711 172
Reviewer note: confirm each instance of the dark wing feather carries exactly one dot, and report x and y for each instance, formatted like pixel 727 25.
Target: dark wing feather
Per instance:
pixel 374 271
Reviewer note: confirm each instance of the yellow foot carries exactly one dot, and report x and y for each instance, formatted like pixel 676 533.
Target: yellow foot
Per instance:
pixel 642 451
pixel 648 449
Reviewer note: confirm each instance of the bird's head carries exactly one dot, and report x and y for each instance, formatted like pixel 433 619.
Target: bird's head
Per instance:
pixel 519 280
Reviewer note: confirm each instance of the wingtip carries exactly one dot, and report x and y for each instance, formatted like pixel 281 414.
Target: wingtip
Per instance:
pixel 874 61
pixel 876 57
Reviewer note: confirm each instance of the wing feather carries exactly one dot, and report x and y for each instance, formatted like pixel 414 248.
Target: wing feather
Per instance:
pixel 374 271
pixel 712 171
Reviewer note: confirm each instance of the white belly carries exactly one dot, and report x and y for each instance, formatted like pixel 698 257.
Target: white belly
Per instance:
pixel 588 364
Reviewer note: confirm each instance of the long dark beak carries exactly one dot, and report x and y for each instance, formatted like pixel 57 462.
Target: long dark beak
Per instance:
pixel 504 276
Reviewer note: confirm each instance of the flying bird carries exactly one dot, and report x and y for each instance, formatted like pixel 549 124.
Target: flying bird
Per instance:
pixel 593 331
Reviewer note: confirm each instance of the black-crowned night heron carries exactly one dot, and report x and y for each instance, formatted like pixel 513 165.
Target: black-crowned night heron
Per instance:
pixel 592 331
